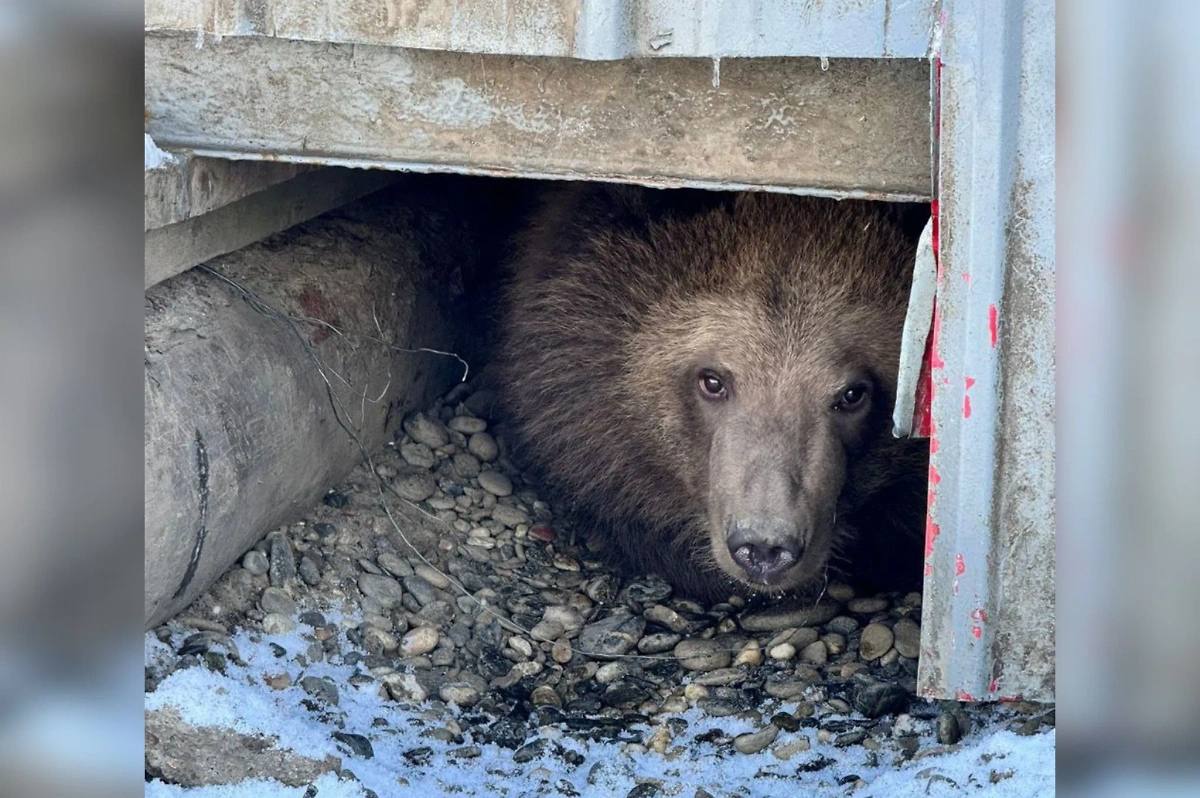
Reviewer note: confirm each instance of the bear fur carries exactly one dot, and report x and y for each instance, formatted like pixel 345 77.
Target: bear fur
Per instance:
pixel 627 308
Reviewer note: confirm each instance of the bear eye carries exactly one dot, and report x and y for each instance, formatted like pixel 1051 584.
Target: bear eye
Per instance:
pixel 852 398
pixel 711 385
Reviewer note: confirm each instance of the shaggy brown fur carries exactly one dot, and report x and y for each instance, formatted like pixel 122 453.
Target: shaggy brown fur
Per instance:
pixel 625 302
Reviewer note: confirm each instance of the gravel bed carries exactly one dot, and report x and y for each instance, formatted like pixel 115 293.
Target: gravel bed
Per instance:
pixel 443 588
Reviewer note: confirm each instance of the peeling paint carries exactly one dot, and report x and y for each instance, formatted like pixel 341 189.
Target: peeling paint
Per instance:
pixel 992 623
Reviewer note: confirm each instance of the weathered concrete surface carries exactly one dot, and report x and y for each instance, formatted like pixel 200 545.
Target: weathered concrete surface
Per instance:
pixel 248 202
pixel 188 186
pixel 191 756
pixel 859 127
pixel 988 626
pixel 587 29
pixel 241 433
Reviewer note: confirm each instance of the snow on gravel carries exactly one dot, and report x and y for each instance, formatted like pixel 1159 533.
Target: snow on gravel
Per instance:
pixel 995 759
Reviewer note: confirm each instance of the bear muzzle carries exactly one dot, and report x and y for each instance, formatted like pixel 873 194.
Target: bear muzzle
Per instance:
pixel 765 549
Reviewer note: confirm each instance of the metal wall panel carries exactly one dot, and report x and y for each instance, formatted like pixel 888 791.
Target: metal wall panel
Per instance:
pixel 988 617
pixel 588 29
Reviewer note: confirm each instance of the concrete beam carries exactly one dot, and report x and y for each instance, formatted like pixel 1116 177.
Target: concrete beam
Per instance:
pixel 187 186
pixel 840 127
pixel 199 208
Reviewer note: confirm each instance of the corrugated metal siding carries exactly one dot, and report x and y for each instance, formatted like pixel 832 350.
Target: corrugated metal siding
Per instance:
pixel 598 30
pixel 988 618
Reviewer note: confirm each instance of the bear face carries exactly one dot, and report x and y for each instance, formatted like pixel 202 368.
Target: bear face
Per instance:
pixel 715 387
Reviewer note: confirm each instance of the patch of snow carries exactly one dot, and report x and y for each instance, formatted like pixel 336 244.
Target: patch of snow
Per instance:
pixel 328 786
pixel 157 158
pixel 991 759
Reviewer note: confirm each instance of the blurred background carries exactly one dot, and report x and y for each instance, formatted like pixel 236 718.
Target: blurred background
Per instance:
pixel 70 403
pixel 1128 383
pixel 71 407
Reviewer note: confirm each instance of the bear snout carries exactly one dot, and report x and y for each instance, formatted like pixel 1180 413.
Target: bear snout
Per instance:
pixel 766 549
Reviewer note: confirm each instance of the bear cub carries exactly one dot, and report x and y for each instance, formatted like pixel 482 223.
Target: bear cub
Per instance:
pixel 708 380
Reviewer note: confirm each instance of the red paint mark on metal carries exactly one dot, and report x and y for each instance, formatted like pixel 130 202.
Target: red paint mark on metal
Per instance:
pixel 992 324
pixel 966 277
pixel 962 695
pixel 923 405
pixel 933 444
pixel 935 357
pixel 976 632
pixel 931 533
pixel 960 567
pixel 966 407
pixel 934 477
pixel 979 614
pixel 923 402
pixel 969 381
pixel 993 686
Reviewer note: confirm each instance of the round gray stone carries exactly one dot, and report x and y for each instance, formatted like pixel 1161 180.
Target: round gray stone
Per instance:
pixel 775 619
pixel 509 516
pixel 757 741
pixel 416 487
pixel 274 623
pixel 418 455
pixel 875 642
pixel 908 638
pixel 702 655
pixel 433 576
pixel 384 589
pixel 394 565
pixel 495 483
pixel 658 643
pixel 467 425
pixel 948 731
pixel 460 693
pixel 256 562
pixel 483 446
pixel 867 606
pixel 275 599
pixel 423 429
pixel 815 653
pixel 421 590
pixel 466 465
pixel 321 688
pixel 419 641
pixel 612 636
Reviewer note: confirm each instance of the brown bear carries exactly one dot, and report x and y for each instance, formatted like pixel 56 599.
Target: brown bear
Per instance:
pixel 709 379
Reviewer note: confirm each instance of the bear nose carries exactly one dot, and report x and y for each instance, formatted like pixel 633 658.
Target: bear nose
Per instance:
pixel 765 551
